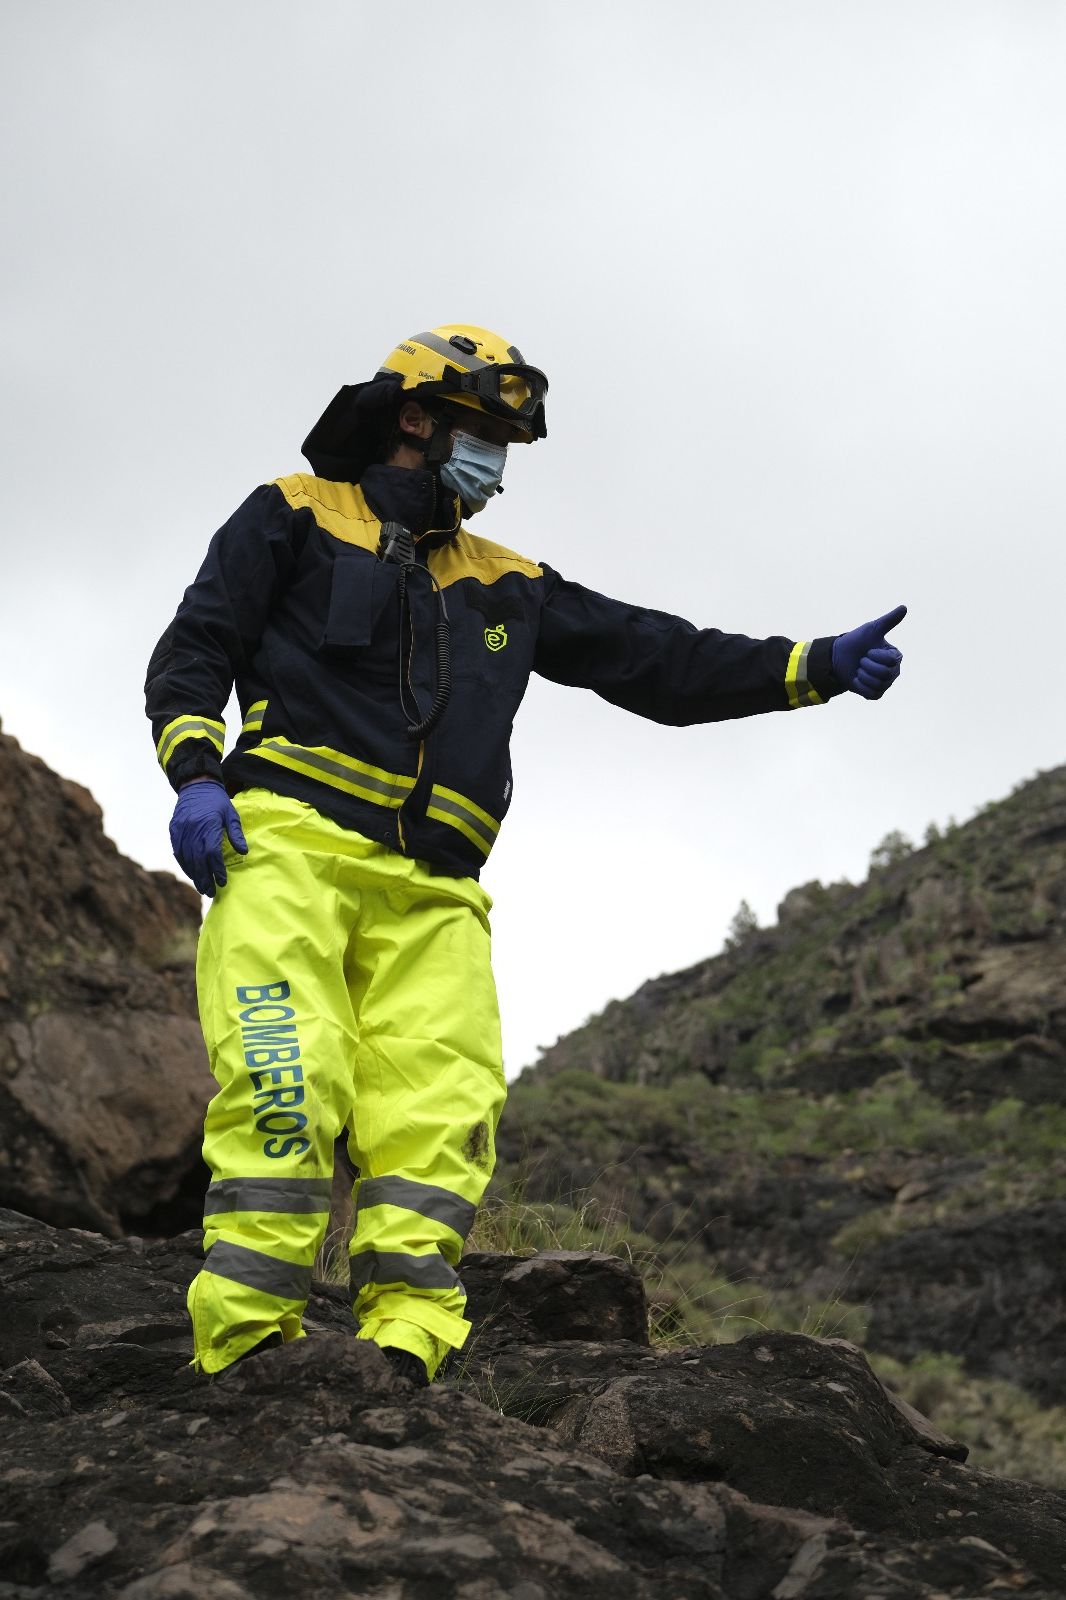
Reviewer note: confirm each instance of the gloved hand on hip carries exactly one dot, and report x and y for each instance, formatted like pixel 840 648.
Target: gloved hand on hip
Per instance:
pixel 864 661
pixel 203 810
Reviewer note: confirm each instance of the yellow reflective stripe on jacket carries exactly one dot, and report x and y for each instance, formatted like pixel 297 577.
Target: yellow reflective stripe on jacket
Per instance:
pixel 189 728
pixel 253 717
pixel 459 812
pixel 338 770
pixel 797 685
pixel 383 788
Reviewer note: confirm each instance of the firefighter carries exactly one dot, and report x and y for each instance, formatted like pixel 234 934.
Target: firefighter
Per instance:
pixel 380 652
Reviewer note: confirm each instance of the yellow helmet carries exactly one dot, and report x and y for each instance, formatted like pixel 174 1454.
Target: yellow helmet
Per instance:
pixel 467 366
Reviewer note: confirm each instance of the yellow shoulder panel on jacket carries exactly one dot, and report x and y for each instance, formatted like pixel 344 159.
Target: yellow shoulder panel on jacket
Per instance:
pixel 339 508
pixel 467 556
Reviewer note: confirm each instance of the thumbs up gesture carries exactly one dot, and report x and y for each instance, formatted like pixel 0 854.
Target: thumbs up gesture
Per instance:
pixel 864 661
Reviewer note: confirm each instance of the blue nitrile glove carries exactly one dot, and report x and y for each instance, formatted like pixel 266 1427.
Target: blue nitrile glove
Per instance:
pixel 203 810
pixel 863 660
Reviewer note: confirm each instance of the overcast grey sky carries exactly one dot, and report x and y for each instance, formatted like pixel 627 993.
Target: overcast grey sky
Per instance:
pixel 795 271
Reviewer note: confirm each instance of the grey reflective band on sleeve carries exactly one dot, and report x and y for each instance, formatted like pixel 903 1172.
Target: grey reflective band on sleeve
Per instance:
pixel 806 688
pixel 798 687
pixel 293 1195
pixel 392 1266
pixel 253 717
pixel 190 728
pixel 282 1279
pixel 454 357
pixel 802 681
pixel 425 1199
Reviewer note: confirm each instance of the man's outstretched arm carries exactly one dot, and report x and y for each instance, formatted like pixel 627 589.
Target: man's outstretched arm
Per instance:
pixel 662 667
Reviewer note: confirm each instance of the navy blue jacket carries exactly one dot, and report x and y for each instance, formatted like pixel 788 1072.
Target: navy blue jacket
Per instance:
pixel 294 605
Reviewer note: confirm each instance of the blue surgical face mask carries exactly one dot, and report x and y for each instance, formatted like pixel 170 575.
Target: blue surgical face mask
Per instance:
pixel 473 470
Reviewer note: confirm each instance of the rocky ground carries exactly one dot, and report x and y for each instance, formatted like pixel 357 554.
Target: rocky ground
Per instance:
pixel 561 1457
pixel 101 1056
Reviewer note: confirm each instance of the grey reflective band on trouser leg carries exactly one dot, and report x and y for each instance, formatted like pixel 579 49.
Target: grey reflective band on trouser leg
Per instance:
pixel 282 1279
pixel 441 347
pixel 425 1199
pixel 392 1266
pixel 268 1194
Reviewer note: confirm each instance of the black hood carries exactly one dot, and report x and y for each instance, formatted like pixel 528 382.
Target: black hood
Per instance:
pixel 355 429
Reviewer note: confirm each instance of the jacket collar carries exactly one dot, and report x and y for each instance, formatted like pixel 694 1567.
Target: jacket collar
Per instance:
pixel 411 496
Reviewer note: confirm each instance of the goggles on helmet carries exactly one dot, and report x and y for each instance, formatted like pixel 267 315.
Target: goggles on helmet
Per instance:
pixel 512 391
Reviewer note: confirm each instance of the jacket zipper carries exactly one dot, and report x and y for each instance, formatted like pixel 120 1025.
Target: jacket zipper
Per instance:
pixel 399 814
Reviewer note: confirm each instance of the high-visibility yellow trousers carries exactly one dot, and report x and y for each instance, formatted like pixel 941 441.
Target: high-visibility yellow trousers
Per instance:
pixel 342 987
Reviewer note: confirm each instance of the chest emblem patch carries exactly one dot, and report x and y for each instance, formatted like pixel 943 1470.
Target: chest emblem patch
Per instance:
pixel 496 638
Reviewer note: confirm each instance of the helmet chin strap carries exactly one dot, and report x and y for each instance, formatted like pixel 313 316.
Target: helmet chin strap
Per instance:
pixel 437 448
pixel 436 451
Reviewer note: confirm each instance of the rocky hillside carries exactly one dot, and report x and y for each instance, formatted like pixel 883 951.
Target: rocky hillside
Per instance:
pixel 101 1056
pixel 855 1120
pixel 562 1457
pixel 949 962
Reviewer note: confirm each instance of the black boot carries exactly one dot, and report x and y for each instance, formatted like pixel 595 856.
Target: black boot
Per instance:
pixel 407 1366
pixel 257 1349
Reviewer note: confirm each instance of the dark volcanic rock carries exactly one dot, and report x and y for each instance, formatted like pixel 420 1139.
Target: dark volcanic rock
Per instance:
pixel 783 1418
pixel 993 1290
pixel 557 1294
pixel 66 1292
pixel 778 1469
pixel 104 1069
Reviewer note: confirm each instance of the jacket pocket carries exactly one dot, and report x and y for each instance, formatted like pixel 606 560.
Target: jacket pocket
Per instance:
pixel 360 590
